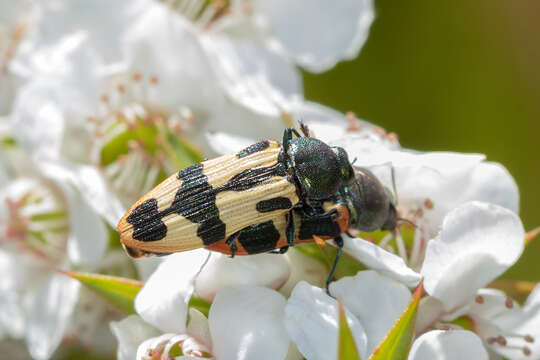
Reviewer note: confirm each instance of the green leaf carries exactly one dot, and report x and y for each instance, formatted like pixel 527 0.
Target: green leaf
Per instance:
pixel 119 291
pixel 347 349
pixel 397 343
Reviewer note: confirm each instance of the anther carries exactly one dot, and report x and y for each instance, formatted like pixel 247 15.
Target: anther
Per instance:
pixel 526 351
pixel 445 327
pixel 479 299
pixel 491 340
pixel 379 130
pixel 153 79
pixel 392 137
pixel 509 303
pixel 501 340
pixel 353 123
pixel 105 98
pixel 136 76
pixel 428 204
pixel 121 88
pixel 529 338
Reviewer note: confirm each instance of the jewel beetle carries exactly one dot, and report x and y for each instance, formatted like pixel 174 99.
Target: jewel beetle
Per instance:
pixel 211 201
pixel 362 204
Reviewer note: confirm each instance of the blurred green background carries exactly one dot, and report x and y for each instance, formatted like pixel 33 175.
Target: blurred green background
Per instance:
pixel 459 75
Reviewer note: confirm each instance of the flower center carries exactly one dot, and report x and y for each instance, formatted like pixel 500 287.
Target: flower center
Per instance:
pixel 206 14
pixel 136 144
pixel 408 241
pixel 494 336
pixel 37 223
pixel 10 38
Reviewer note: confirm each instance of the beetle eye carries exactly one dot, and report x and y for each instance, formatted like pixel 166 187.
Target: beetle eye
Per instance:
pixel 347 172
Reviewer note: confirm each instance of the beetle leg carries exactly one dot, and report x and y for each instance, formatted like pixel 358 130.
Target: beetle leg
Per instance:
pixel 289 231
pixel 339 242
pixel 231 242
pixel 349 234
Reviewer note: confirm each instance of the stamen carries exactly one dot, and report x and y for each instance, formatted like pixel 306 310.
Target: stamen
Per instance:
pixel 401 246
pixel 386 239
pixel 417 246
pixel 479 299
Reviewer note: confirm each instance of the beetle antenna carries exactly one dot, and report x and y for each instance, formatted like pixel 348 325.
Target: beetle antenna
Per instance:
pixel 354 160
pixel 408 222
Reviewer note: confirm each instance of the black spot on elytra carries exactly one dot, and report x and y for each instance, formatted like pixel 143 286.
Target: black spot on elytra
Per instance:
pixel 146 221
pixel 196 201
pixel 250 178
pixel 318 224
pixel 259 238
pixel 278 203
pixel 260 146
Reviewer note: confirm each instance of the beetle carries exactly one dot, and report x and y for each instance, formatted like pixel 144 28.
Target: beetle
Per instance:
pixel 211 201
pixel 362 204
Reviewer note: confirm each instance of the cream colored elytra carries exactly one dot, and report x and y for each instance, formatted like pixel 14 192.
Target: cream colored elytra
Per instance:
pixel 237 209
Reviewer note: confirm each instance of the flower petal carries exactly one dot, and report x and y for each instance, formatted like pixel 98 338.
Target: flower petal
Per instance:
pixel 130 333
pixel 268 270
pixel 491 182
pixel 198 327
pixel 225 143
pixel 477 243
pixel 301 28
pixel 303 268
pixel 376 300
pixel 311 319
pixel 88 238
pixel 448 345
pixel 162 44
pixel 429 312
pixel 48 311
pixel 163 300
pixel 376 258
pixel 252 75
pixel 246 322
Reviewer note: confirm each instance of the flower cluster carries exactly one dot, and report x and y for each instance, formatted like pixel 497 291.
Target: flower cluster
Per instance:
pixel 101 101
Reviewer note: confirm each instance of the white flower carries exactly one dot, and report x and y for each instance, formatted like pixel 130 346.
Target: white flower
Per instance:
pixel 16 19
pixel 244 322
pixel 250 44
pixel 45 225
pixel 448 345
